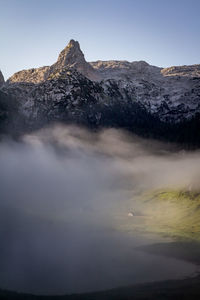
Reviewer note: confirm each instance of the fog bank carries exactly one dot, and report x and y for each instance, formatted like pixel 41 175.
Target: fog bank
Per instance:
pixel 61 190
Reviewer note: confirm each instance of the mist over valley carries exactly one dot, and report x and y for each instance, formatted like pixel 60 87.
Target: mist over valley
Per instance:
pixel 71 214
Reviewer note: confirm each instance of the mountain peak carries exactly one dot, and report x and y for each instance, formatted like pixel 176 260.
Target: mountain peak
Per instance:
pixel 71 55
pixel 73 43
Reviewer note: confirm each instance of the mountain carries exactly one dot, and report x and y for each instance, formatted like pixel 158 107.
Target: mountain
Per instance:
pixel 146 99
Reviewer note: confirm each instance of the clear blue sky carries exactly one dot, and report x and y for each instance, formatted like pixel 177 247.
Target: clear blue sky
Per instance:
pixel 161 32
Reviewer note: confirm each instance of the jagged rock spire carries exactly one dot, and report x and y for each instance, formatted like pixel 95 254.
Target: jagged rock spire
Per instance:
pixel 72 57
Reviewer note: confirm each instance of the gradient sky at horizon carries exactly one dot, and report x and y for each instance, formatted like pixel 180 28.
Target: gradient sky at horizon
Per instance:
pixel 163 33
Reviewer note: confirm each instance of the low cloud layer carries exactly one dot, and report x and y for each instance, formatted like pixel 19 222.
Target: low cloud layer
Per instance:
pixel 122 155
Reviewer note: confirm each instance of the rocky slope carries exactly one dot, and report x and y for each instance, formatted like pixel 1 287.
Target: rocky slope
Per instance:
pixel 111 93
pixel 187 71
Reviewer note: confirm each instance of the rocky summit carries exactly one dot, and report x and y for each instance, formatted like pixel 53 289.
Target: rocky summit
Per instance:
pixel 131 95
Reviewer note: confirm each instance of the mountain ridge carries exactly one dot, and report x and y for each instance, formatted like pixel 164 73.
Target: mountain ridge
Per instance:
pixel 72 57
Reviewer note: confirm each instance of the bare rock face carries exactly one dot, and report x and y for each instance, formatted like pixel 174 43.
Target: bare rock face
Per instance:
pixel 72 57
pixel 116 69
pixel 186 71
pixel 1 79
pixel 30 76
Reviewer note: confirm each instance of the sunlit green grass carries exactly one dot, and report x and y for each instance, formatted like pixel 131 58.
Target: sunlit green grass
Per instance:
pixel 174 213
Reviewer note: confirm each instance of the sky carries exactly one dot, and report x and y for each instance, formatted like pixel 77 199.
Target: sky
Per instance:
pixel 163 33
